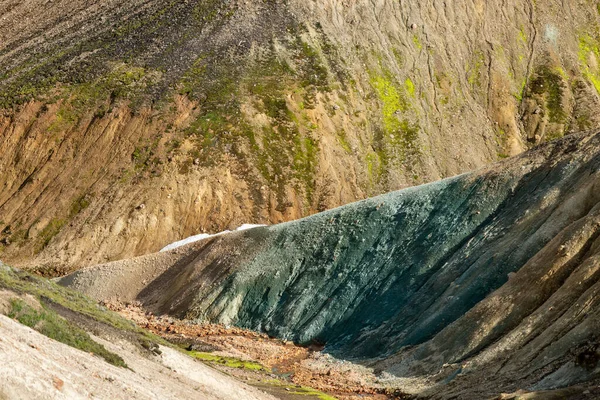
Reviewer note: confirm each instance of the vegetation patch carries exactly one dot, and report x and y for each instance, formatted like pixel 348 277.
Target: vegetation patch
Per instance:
pixel 49 232
pixel 523 35
pixel 521 91
pixel 298 389
pixel 343 140
pixel 144 157
pixel 417 42
pixel 550 85
pixel 398 141
pixel 392 99
pixel 230 362
pixel 409 86
pixel 501 141
pixel 80 204
pixel 50 324
pixel 47 291
pixel 306 391
pixel 475 68
pixel 588 49
pixel 283 152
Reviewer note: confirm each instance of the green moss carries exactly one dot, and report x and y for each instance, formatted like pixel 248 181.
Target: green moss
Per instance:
pixel 123 82
pixel 398 56
pixel 88 58
pixel 20 236
pixel 550 85
pixel 393 102
pixel 50 324
pixel 314 76
pixel 343 140
pixel 299 390
pixel 227 361
pixel 144 156
pixel 305 163
pixel 65 118
pixel 376 162
pixel 315 72
pixel 409 133
pixel 409 86
pixel 212 11
pixel 501 141
pixel 280 153
pixel 306 391
pixel 23 282
pixel 80 204
pixel 474 69
pixel 521 92
pixel 399 137
pixel 417 42
pixel 523 35
pixel 560 71
pixel 583 122
pixel 589 47
pixel 192 76
pixel 277 108
pixel 50 231
pixel 217 91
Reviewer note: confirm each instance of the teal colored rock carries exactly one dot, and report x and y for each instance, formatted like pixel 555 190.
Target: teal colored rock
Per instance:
pixel 427 281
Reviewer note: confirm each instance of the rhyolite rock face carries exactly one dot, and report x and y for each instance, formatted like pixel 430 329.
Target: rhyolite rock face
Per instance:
pixel 215 113
pixel 494 270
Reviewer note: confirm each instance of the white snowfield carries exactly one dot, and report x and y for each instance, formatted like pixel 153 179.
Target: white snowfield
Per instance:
pixel 203 236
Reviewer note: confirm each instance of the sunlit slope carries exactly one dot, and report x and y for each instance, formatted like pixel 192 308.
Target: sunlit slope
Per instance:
pixel 125 126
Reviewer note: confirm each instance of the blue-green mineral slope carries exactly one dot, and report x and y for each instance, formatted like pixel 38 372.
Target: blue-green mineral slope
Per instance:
pixel 473 269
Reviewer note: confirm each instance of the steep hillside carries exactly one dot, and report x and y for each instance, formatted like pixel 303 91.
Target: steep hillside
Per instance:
pixel 468 287
pixel 128 125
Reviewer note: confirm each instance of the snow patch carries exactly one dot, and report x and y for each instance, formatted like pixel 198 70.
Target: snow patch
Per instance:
pixel 203 236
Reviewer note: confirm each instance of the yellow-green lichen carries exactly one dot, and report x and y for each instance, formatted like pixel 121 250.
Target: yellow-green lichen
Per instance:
pixel 373 167
pixel 398 138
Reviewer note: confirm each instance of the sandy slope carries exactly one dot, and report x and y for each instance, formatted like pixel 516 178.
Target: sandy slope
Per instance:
pixel 33 366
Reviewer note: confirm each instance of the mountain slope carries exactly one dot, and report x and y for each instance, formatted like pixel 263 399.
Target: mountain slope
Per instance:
pixel 126 126
pixel 58 344
pixel 475 285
